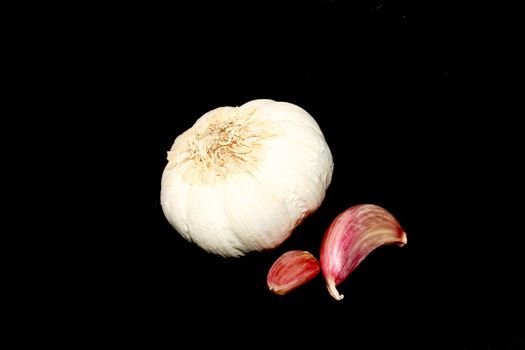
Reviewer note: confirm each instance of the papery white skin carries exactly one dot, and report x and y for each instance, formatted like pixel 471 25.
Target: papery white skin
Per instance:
pixel 253 203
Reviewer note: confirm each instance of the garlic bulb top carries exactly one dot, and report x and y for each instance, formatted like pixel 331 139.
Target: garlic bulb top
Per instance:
pixel 242 178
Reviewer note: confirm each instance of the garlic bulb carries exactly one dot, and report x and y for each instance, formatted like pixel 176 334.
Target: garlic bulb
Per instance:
pixel 243 178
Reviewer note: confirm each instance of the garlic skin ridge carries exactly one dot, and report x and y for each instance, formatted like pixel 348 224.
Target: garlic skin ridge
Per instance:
pixel 241 179
pixel 354 234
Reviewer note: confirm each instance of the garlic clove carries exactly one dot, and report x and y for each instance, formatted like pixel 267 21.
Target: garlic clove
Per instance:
pixel 291 270
pixel 353 235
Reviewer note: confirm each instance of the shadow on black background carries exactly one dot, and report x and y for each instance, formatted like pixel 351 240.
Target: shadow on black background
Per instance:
pixel 397 116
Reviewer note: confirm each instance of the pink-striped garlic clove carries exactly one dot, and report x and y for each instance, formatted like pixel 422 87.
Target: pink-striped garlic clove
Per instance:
pixel 351 237
pixel 291 270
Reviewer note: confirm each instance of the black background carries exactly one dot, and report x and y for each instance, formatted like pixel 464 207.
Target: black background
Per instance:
pixel 411 128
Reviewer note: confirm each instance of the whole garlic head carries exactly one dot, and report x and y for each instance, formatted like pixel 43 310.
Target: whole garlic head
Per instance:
pixel 243 178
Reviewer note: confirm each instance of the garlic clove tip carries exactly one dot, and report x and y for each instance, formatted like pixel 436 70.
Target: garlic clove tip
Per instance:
pixel 333 290
pixel 403 239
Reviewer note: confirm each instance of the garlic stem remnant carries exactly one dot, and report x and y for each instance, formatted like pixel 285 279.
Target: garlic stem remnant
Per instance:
pixel 353 235
pixel 291 270
pixel 241 179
